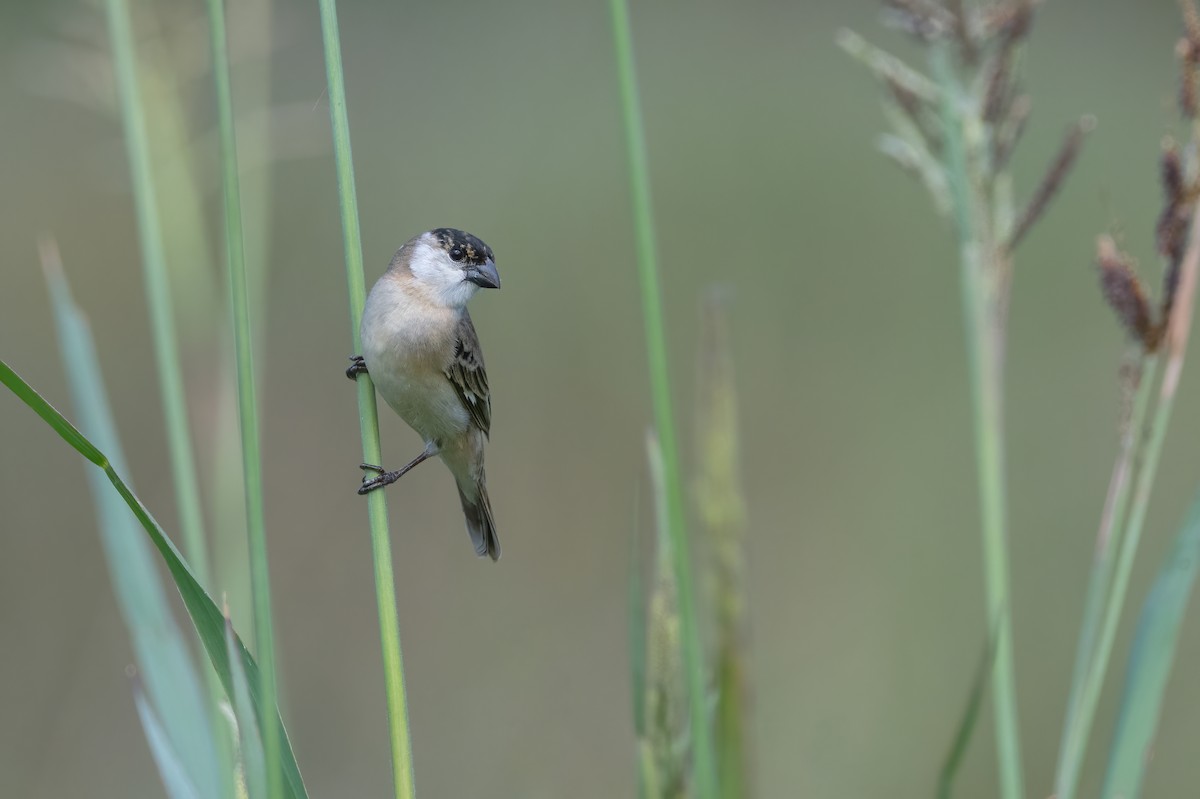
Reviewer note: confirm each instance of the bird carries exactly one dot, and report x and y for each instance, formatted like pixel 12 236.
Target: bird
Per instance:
pixel 420 349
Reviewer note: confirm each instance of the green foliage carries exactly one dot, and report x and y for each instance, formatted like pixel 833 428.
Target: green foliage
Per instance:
pixel 957 133
pixel 158 294
pixel 1150 660
pixel 170 687
pixel 260 583
pixel 664 727
pixel 175 777
pixel 252 759
pixel 209 621
pixel 722 510
pixel 703 762
pixel 1160 338
pixel 966 723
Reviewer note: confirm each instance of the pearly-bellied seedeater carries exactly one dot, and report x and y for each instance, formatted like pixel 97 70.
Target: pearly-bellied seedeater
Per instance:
pixel 421 350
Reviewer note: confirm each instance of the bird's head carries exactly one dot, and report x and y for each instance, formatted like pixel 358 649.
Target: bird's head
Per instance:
pixel 451 264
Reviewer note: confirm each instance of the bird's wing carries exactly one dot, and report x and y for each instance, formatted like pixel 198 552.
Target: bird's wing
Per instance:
pixel 468 375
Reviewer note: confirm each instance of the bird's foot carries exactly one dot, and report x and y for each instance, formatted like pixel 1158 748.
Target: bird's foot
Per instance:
pixel 382 478
pixel 385 478
pixel 357 367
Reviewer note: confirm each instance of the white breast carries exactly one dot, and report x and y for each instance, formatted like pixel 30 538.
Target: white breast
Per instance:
pixel 406 344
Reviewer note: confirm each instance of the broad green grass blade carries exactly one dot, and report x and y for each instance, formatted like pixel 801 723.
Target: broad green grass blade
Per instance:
pixel 966 724
pixel 260 582
pixel 209 621
pixel 1150 662
pixel 173 686
pixel 250 745
pixel 403 781
pixel 704 769
pixel 174 776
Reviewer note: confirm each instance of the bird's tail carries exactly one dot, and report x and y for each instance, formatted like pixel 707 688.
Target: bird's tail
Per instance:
pixel 480 524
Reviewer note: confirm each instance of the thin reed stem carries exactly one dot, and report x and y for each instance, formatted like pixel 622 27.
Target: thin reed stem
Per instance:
pixel 703 763
pixel 385 589
pixel 162 318
pixel 158 292
pixel 1071 750
pixel 260 578
pixel 1155 435
pixel 984 278
pixel 1137 471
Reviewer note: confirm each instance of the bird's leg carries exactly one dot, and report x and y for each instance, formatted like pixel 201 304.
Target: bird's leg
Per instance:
pixel 384 478
pixel 357 367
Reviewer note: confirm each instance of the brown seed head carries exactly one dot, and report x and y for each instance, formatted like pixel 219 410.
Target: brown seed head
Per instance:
pixel 1053 179
pixel 1172 171
pixel 1011 20
pixel 1170 234
pixel 1008 133
pixel 998 95
pixel 1123 291
pixel 924 19
pixel 1188 55
pixel 1191 27
pixel 915 108
pixel 962 30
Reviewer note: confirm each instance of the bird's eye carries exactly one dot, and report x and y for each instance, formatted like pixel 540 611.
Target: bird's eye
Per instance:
pixel 457 253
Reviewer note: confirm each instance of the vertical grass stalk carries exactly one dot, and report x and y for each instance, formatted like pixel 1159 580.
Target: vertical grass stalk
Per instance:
pixel 703 763
pixel 1179 326
pixel 368 414
pixel 260 579
pixel 1074 735
pixel 228 514
pixel 158 294
pixel 984 295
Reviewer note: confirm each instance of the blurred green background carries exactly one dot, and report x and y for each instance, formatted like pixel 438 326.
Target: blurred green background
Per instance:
pixel 865 569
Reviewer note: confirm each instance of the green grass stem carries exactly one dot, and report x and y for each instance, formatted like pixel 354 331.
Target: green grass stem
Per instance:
pixel 966 723
pixel 1072 748
pixel 1089 695
pixel 158 293
pixel 637 632
pixel 1178 330
pixel 983 311
pixel 368 414
pixel 260 578
pixel 704 776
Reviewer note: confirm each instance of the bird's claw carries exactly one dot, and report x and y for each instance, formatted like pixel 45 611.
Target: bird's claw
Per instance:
pixel 382 478
pixel 357 367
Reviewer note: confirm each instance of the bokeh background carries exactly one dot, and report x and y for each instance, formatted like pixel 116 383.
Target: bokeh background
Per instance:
pixel 865 566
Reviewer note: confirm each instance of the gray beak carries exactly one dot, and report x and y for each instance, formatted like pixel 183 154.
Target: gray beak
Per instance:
pixel 484 275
